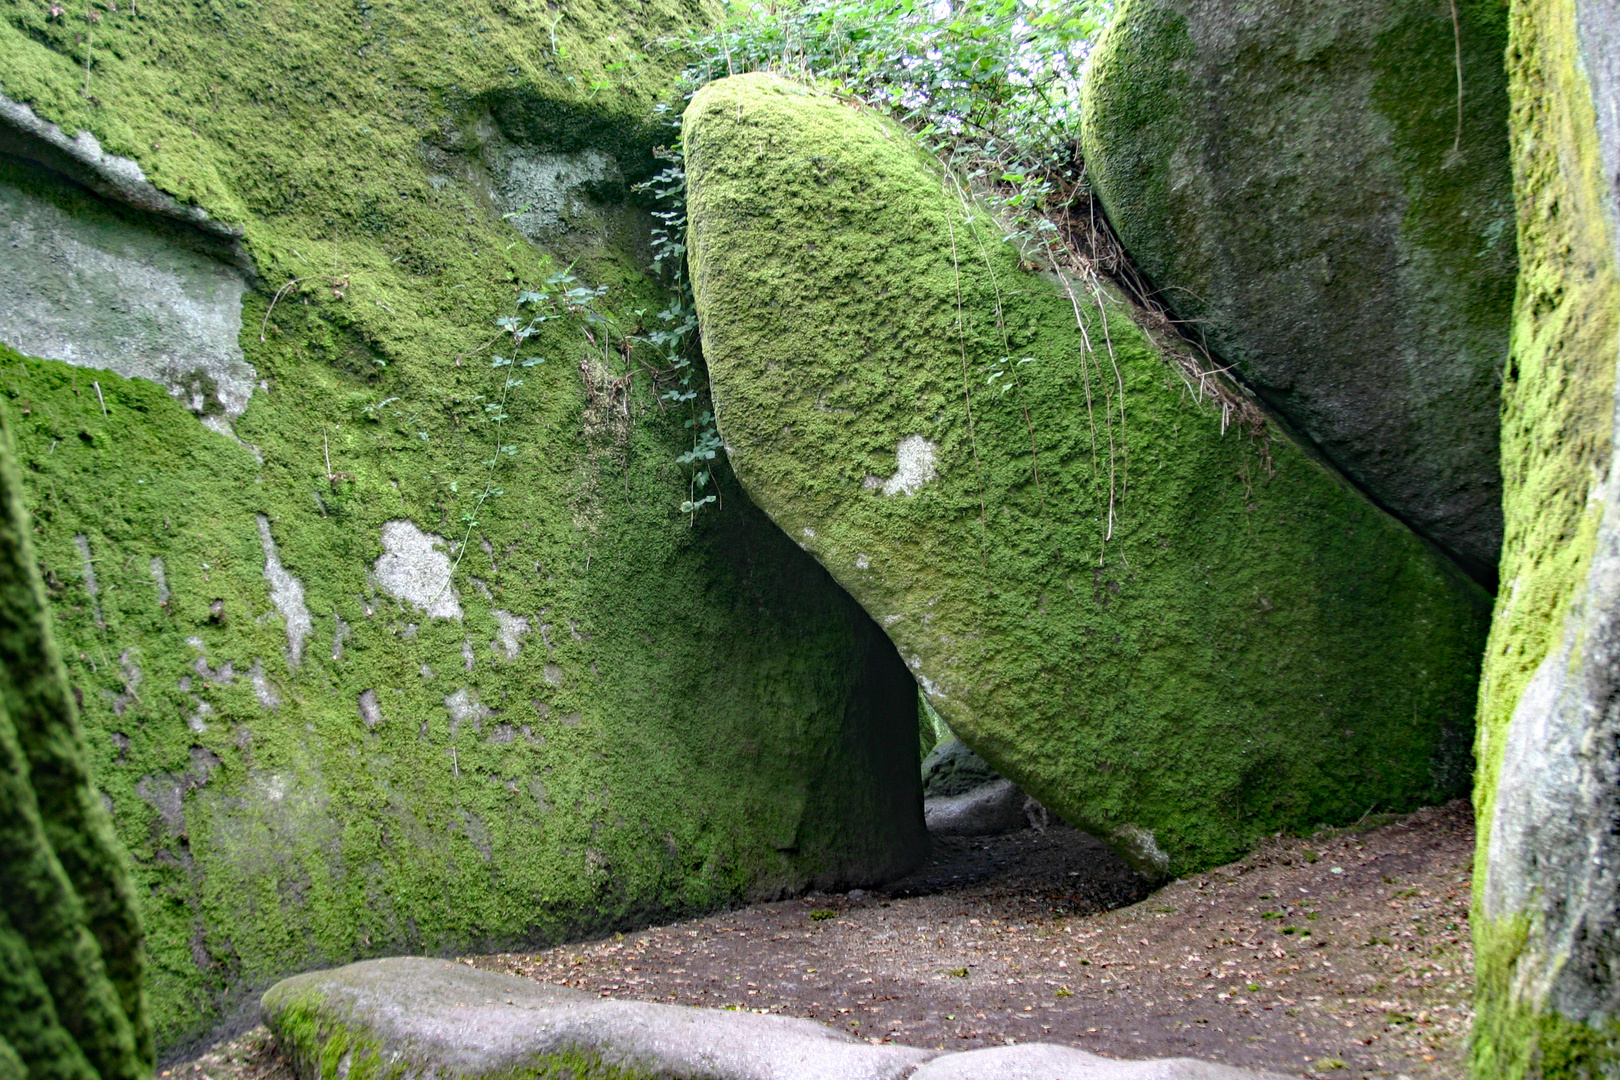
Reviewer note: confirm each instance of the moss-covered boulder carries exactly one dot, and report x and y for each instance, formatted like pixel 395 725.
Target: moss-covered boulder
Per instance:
pixel 1175 637
pixel 1321 187
pixel 390 633
pixel 72 965
pixel 1546 916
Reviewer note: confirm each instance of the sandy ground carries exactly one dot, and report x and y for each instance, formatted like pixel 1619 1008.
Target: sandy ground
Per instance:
pixel 1344 955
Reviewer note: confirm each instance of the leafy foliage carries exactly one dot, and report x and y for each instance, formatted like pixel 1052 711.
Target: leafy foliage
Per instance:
pixel 992 89
pixel 990 86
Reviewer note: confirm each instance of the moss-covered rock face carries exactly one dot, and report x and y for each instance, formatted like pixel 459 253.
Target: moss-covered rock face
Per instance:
pixel 72 968
pixel 1547 911
pixel 1177 639
pixel 340 702
pixel 1310 186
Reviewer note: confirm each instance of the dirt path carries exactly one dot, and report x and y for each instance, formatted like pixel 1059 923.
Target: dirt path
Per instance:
pixel 1344 955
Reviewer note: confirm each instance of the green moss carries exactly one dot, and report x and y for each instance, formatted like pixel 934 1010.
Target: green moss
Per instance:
pixel 1446 155
pixel 1557 443
pixel 72 1003
pixel 324 1048
pixel 1142 106
pixel 696 716
pixel 1511 1037
pixel 1146 623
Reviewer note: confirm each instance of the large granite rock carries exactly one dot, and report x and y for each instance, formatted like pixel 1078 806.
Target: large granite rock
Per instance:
pixel 436 1018
pixel 72 964
pixel 1546 918
pixel 1309 187
pixel 1177 639
pixel 339 702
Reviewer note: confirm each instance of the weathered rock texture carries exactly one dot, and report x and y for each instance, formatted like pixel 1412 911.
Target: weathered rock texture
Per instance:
pixel 340 703
pixel 1175 639
pixel 442 1019
pixel 72 966
pixel 1311 190
pixel 1547 887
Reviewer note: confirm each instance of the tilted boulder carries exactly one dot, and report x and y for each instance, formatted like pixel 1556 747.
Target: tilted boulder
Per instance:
pixel 385 644
pixel 1321 188
pixel 1176 638
pixel 1546 918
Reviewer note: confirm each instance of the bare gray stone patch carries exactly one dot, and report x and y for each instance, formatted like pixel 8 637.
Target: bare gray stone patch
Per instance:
pixel 415 567
pixel 914 467
pixel 97 292
pixel 156 568
pixel 509 632
pixel 166 792
pixel 549 194
pixel 132 680
pixel 370 711
pixel 287 593
pixel 340 631
pixel 463 707
pixel 262 688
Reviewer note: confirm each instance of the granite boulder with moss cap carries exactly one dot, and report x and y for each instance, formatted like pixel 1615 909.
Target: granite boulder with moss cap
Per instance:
pixel 1175 638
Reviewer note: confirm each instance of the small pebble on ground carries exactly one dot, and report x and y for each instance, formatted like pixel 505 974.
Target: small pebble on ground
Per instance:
pixel 1343 955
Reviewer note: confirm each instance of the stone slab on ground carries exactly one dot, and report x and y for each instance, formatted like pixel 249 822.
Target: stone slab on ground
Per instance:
pixel 1043 1061
pixel 446 1019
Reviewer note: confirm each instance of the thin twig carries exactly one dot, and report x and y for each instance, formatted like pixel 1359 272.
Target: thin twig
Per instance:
pixel 89 45
pixel 100 399
pixel 276 299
